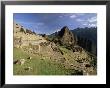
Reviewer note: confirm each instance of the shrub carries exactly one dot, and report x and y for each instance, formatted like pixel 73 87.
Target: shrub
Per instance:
pixel 22 30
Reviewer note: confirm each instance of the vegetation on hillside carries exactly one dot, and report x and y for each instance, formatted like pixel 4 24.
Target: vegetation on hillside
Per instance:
pixel 56 54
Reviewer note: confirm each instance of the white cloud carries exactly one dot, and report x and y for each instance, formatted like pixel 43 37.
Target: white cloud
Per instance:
pixel 60 16
pixel 73 16
pixel 85 24
pixel 31 23
pixel 80 20
pixel 58 30
pixel 39 23
pixel 92 19
pixel 90 22
pixel 92 25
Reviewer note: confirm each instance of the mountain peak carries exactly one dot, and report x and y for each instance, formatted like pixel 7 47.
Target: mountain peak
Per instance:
pixel 64 30
pixel 66 36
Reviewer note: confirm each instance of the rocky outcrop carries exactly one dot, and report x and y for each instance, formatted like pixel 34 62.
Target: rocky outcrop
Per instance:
pixel 24 37
pixel 66 37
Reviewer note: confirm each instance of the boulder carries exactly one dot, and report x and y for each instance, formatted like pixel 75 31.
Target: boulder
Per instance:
pixel 16 62
pixel 28 68
pixel 29 58
pixel 20 62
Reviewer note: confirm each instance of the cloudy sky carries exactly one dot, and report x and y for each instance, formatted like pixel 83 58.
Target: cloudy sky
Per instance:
pixel 47 23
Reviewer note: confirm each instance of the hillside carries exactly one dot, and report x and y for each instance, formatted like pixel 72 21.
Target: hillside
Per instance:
pixel 24 37
pixel 39 55
pixel 87 38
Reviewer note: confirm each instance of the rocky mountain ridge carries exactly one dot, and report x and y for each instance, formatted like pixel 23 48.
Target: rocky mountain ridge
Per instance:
pixel 67 37
pixel 84 37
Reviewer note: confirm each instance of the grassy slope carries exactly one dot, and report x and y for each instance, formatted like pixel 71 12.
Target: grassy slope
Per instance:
pixel 39 67
pixel 42 66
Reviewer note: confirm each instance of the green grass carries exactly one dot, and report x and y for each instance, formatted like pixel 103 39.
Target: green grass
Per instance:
pixel 63 49
pixel 39 67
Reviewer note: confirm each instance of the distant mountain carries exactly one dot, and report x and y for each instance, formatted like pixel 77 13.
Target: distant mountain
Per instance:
pixel 89 33
pixel 87 38
pixel 84 37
